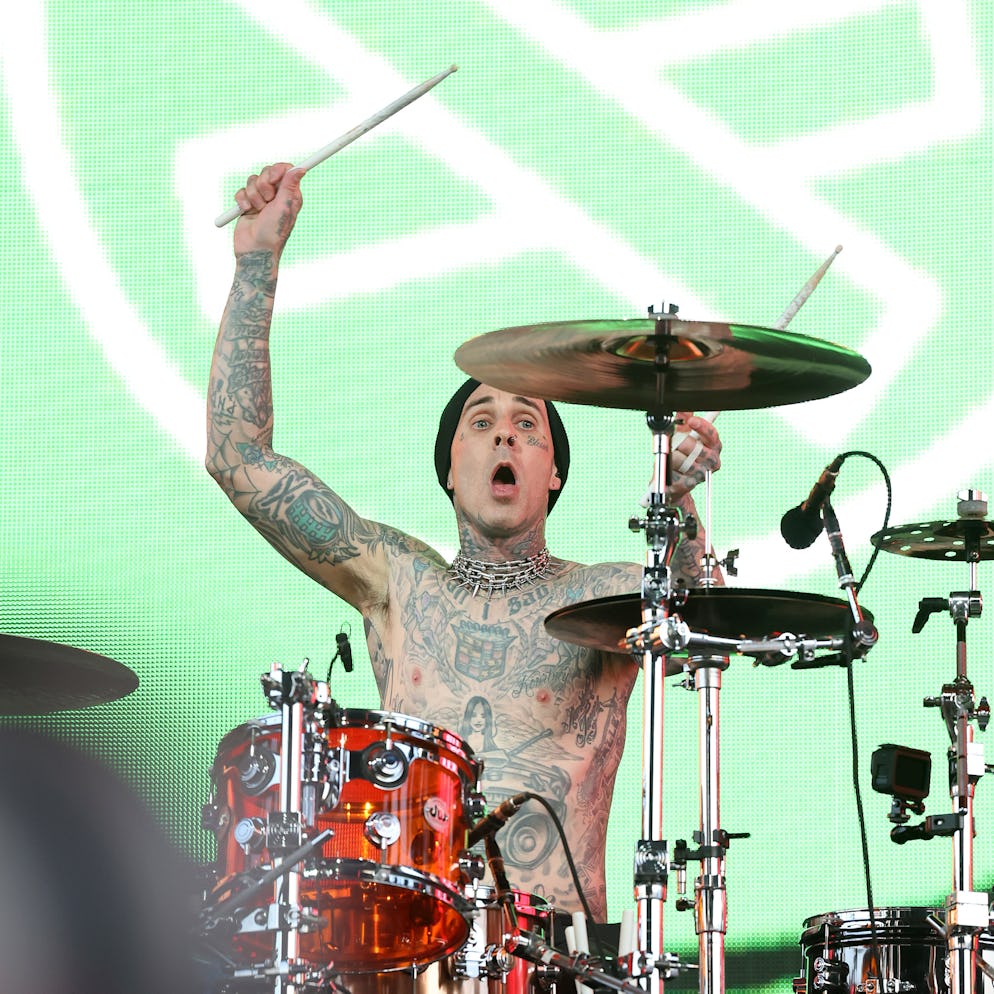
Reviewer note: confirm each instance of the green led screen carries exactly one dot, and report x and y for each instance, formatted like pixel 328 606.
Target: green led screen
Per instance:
pixel 588 159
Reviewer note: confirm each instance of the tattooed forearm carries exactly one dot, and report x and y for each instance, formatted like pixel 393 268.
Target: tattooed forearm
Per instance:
pixel 690 552
pixel 250 306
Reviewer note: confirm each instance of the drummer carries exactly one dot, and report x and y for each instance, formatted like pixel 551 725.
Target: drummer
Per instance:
pixel 461 645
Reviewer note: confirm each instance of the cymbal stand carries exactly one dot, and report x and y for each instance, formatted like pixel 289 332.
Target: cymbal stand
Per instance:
pixel 663 529
pixel 710 897
pixel 709 904
pixel 967 910
pixel 295 695
pixel 212 916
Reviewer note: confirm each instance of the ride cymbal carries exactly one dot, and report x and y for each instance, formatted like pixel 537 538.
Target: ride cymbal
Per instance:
pixel 723 612
pixel 39 677
pixel 962 540
pixel 661 364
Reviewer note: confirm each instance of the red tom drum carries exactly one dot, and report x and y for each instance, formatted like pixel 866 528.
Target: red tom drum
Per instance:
pixel 399 794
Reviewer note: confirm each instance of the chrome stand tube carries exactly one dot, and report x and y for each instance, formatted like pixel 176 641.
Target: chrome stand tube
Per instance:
pixel 288 886
pixel 662 529
pixel 710 901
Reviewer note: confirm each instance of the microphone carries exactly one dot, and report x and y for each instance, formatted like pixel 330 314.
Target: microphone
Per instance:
pixel 344 651
pixel 801 525
pixel 494 820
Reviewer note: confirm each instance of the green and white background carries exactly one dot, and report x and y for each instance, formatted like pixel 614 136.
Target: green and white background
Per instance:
pixel 589 158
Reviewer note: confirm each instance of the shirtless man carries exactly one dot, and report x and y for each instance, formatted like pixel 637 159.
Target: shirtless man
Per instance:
pixel 550 715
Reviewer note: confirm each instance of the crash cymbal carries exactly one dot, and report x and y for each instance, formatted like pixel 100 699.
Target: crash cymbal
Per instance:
pixel 39 677
pixel 962 540
pixel 702 365
pixel 723 612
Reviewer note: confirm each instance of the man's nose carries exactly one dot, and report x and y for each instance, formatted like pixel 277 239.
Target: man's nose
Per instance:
pixel 505 438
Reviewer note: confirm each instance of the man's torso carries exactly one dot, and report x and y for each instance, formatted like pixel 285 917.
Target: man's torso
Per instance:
pixel 543 716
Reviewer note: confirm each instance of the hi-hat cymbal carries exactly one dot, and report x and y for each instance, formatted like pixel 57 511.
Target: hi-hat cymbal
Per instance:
pixel 962 540
pixel 723 612
pixel 39 677
pixel 661 364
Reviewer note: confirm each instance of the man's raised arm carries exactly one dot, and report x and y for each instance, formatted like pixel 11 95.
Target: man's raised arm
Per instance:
pixel 299 516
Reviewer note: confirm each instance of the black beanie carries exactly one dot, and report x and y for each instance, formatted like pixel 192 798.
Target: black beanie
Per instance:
pixel 449 421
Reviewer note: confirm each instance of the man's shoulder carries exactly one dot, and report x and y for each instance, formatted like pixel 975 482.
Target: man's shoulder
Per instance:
pixel 405 549
pixel 601 579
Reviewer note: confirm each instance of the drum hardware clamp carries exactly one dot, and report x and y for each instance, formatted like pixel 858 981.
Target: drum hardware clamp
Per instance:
pixel 969 538
pixel 209 918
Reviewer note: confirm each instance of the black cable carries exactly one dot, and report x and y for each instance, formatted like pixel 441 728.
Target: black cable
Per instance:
pixel 591 922
pixel 861 818
pixel 890 498
pixel 871 907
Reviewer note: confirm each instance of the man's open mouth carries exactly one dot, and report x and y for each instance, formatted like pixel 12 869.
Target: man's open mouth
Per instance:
pixel 504 476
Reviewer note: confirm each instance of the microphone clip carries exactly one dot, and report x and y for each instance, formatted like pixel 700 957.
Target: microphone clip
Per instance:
pixel 343 652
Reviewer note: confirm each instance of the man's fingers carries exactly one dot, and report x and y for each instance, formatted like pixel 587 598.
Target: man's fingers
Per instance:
pixel 261 188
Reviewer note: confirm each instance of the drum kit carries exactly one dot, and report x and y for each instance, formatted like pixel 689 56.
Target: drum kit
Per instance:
pixel 342 858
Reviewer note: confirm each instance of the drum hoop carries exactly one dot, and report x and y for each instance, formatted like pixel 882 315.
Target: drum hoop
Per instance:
pixel 484 896
pixel 842 924
pixel 348 870
pixel 363 718
pixel 345 718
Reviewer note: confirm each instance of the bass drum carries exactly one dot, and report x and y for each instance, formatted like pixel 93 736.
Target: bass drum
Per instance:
pixel 398 793
pixel 837 954
pixel 480 966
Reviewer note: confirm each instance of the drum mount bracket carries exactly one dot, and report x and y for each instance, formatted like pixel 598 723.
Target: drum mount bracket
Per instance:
pixel 652 866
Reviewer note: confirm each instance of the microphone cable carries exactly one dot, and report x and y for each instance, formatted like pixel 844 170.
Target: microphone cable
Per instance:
pixel 851 695
pixel 890 501
pixel 593 937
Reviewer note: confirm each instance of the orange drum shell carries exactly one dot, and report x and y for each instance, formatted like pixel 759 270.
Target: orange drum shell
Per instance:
pixel 396 906
pixel 488 929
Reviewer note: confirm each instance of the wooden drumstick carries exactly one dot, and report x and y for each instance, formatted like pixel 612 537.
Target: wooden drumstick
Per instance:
pixel 806 291
pixel 785 319
pixel 350 136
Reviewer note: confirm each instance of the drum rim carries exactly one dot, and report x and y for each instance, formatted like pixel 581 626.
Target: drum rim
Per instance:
pixel 373 718
pixel 368 871
pixel 363 718
pixel 535 903
pixel 854 918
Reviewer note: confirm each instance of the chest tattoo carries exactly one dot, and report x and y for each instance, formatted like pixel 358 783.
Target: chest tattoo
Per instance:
pixel 481 651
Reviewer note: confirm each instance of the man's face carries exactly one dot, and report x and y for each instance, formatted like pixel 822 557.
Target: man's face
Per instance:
pixel 502 461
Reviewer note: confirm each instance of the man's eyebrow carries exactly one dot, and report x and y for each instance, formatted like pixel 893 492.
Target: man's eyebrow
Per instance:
pixel 489 400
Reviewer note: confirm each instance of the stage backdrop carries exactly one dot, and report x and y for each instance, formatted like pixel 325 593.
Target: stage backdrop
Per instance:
pixel 588 159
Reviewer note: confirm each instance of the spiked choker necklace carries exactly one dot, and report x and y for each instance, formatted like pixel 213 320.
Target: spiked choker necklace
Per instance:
pixel 479 577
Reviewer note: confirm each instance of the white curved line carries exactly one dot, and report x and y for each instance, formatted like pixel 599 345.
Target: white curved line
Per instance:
pixel 48 175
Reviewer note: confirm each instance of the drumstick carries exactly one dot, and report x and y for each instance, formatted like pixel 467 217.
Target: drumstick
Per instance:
pixel 806 291
pixel 785 319
pixel 350 136
pixel 782 322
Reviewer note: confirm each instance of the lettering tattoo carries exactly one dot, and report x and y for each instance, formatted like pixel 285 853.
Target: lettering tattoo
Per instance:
pixel 582 716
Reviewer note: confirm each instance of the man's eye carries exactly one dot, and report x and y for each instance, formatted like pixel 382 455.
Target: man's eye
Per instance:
pixel 526 424
pixel 480 423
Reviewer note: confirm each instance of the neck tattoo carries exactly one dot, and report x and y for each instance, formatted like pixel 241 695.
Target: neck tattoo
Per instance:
pixel 479 576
